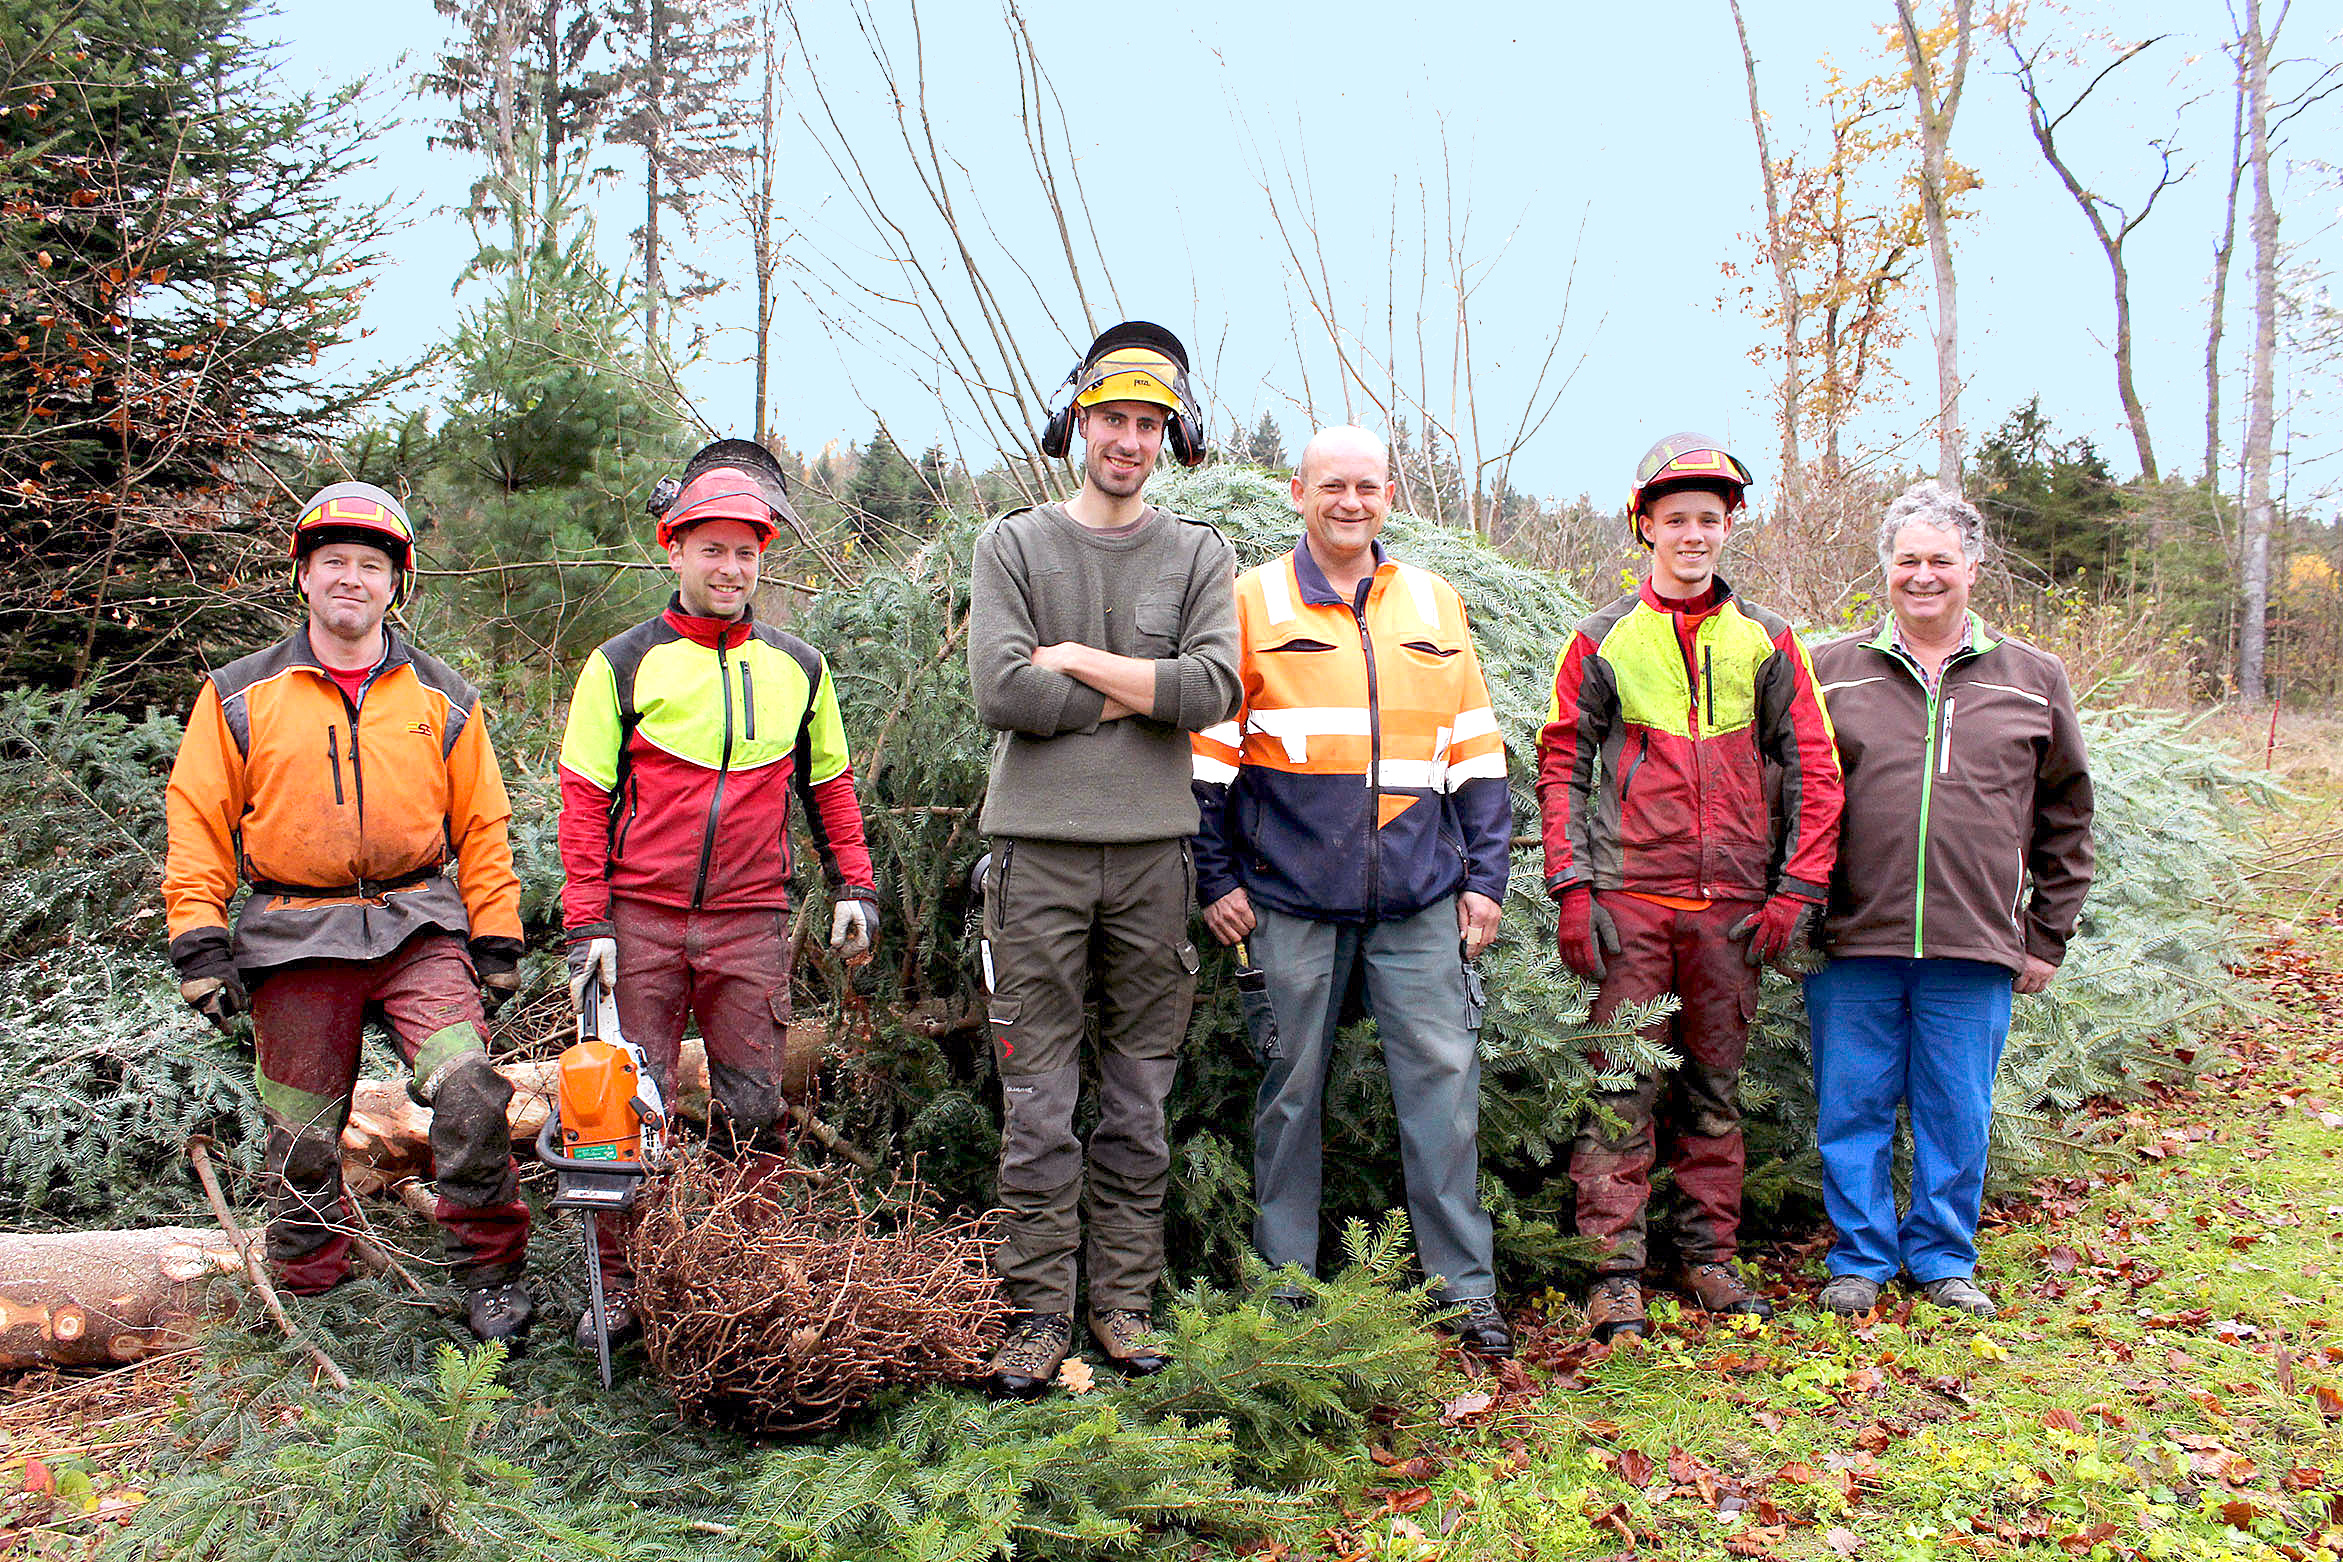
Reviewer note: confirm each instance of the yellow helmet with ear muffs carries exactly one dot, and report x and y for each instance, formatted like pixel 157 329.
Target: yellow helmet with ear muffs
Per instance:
pixel 1134 361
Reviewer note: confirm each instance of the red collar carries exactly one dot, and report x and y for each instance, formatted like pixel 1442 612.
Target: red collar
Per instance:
pixel 714 633
pixel 1690 607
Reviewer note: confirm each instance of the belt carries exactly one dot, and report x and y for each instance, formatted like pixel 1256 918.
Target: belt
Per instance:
pixel 364 889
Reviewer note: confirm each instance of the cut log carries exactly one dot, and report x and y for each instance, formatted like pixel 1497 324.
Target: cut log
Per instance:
pixel 84 1298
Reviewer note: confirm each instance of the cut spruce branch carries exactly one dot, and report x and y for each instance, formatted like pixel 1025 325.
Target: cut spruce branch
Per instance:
pixel 199 1151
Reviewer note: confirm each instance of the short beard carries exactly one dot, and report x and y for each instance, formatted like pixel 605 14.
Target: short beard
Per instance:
pixel 1102 478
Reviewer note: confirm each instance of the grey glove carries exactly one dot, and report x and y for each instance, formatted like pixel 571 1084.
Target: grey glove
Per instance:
pixel 591 954
pixel 854 930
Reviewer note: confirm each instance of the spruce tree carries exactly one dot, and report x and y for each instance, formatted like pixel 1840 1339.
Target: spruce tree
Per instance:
pixel 174 261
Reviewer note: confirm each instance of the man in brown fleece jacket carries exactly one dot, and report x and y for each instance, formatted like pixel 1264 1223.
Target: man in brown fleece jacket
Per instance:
pixel 1964 856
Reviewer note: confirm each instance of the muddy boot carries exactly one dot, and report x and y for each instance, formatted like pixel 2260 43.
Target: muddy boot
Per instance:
pixel 1028 1360
pixel 1479 1326
pixel 618 1314
pixel 1719 1288
pixel 1120 1332
pixel 1850 1296
pixel 1615 1306
pixel 499 1313
pixel 1960 1293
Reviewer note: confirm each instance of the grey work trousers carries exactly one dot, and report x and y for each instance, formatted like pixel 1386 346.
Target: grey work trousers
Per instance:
pixel 1057 915
pixel 1416 991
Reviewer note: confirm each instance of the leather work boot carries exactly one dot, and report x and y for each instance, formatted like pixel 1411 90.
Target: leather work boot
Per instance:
pixel 1719 1288
pixel 1480 1327
pixel 500 1313
pixel 618 1315
pixel 1028 1360
pixel 1960 1293
pixel 1615 1306
pixel 1119 1332
pixel 1850 1296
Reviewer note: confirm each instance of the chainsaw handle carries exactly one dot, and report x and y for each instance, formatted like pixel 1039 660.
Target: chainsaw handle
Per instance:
pixel 549 1151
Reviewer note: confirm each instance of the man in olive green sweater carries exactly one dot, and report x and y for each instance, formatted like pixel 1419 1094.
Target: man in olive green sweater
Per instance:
pixel 1101 632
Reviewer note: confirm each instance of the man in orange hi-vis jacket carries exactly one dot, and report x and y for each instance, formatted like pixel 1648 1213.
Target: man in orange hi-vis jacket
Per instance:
pixel 348 777
pixel 1355 822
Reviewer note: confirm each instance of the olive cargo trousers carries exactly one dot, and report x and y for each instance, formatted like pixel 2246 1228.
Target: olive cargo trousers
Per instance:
pixel 1057 915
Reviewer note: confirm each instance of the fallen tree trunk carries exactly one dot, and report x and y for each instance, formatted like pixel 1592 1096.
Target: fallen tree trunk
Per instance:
pixel 86 1298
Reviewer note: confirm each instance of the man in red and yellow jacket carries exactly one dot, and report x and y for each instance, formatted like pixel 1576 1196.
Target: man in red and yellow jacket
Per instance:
pixel 348 777
pixel 1355 824
pixel 686 737
pixel 1690 800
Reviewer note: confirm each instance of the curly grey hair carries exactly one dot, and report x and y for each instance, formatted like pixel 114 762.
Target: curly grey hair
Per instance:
pixel 1929 503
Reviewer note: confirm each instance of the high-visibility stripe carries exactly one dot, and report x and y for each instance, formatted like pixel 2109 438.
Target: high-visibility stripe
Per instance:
pixel 1420 774
pixel 1225 733
pixel 1478 767
pixel 1276 596
pixel 1216 772
pixel 1481 723
pixel 1419 586
pixel 1295 727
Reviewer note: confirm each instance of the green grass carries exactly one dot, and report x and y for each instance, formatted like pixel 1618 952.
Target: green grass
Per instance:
pixel 2152 1388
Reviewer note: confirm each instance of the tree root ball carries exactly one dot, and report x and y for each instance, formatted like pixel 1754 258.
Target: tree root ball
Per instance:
pixel 775 1299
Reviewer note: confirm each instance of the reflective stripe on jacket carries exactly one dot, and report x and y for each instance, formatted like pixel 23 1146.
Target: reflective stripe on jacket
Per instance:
pixel 281 780
pixel 1958 799
pixel 685 738
pixel 1699 766
pixel 1363 777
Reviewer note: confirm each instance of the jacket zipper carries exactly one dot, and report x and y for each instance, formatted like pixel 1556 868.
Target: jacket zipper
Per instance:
pixel 1708 682
pixel 1626 780
pixel 1374 767
pixel 333 758
pixel 723 768
pixel 1944 753
pixel 1920 864
pixel 748 705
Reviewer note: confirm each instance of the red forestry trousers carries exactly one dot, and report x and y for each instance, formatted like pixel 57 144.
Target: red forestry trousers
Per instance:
pixel 1697 1108
pixel 729 970
pixel 307 1019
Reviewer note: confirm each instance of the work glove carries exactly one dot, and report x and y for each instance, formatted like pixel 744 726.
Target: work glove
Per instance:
pixel 1775 928
pixel 854 930
pixel 496 962
pixel 1585 932
pixel 208 980
pixel 593 952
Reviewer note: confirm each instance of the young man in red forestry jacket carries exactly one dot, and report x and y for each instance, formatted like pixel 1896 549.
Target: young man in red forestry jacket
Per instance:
pixel 1690 800
pixel 686 737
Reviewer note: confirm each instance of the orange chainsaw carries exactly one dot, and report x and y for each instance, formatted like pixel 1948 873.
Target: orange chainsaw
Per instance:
pixel 607 1131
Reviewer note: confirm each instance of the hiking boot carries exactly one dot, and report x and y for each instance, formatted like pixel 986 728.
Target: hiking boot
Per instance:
pixel 1850 1296
pixel 1028 1360
pixel 1121 1332
pixel 1961 1294
pixel 1719 1288
pixel 1479 1326
pixel 1615 1306
pixel 499 1313
pixel 618 1315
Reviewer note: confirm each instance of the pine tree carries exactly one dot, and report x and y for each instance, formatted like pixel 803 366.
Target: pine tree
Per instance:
pixel 2052 502
pixel 886 495
pixel 174 257
pixel 1265 446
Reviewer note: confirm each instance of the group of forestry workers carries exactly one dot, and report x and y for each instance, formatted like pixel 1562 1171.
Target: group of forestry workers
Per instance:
pixel 1303 754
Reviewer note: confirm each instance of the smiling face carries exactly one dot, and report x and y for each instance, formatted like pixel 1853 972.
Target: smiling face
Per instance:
pixel 1343 491
pixel 1120 441
pixel 1687 531
pixel 348 586
pixel 716 567
pixel 1928 582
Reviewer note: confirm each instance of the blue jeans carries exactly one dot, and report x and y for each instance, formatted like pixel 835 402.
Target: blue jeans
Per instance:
pixel 1416 991
pixel 1922 1033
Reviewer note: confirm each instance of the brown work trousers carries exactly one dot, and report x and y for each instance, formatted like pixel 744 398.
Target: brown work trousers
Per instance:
pixel 1060 916
pixel 729 970
pixel 1696 1110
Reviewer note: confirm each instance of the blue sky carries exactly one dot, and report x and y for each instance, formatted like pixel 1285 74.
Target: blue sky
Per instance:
pixel 1617 133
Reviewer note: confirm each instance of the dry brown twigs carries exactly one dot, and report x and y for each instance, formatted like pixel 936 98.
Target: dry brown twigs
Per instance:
pixel 775 1300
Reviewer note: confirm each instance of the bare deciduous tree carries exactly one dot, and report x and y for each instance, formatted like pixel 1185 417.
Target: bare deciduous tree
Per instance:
pixel 1936 95
pixel 2111 224
pixel 1780 253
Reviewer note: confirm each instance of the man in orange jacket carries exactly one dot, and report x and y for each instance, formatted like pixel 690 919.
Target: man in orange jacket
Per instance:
pixel 348 776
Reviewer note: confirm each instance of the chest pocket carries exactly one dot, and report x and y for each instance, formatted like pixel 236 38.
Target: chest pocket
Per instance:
pixel 1729 667
pixel 1155 623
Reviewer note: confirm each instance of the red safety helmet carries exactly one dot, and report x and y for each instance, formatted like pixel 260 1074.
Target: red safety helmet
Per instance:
pixel 357 512
pixel 731 480
pixel 1686 461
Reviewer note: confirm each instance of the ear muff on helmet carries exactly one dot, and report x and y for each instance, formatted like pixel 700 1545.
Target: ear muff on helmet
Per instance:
pixel 1143 349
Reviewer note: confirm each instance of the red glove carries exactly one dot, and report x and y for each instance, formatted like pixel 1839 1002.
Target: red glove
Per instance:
pixel 1585 932
pixel 1775 928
